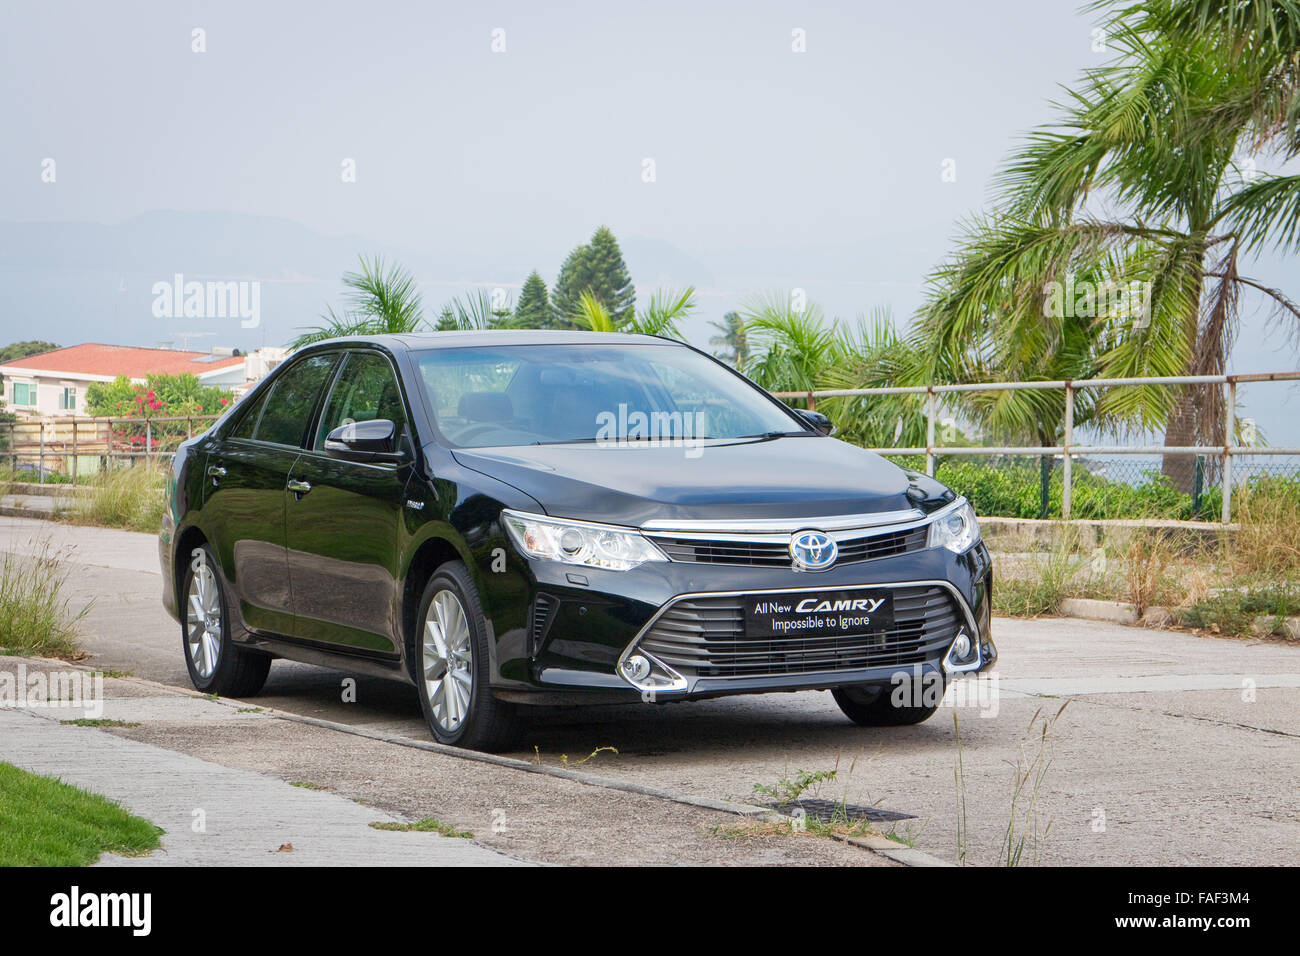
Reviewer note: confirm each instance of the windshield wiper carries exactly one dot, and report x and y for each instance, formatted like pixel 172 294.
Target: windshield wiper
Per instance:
pixel 768 435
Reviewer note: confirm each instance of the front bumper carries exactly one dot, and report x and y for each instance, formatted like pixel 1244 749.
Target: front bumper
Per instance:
pixel 583 626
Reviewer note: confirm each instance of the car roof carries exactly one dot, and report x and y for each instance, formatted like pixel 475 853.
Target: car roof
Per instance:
pixel 414 341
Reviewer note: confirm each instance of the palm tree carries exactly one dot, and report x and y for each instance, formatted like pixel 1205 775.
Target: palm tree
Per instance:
pixel 731 337
pixel 471 311
pixel 660 316
pixel 1138 181
pixel 799 351
pixel 380 299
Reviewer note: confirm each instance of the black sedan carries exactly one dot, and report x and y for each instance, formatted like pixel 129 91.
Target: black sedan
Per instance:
pixel 511 518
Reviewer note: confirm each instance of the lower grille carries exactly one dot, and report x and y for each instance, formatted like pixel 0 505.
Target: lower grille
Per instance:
pixel 705 637
pixel 543 607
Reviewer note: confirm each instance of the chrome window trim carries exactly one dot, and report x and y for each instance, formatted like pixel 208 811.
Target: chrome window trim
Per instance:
pixel 667 605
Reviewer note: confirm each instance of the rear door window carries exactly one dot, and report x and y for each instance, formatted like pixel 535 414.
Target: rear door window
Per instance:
pixel 292 400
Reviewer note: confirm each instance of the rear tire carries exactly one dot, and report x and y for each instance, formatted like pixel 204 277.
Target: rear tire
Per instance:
pixel 452 665
pixel 869 706
pixel 216 664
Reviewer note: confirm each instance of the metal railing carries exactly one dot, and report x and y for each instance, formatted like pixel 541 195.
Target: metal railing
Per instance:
pixel 65 441
pixel 1068 449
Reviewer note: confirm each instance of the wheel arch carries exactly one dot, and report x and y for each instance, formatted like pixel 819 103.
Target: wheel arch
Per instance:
pixel 433 551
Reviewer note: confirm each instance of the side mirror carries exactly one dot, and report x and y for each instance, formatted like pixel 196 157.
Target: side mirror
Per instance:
pixel 374 441
pixel 818 422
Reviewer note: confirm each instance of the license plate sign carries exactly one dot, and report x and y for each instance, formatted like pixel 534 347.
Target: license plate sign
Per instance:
pixel 819 613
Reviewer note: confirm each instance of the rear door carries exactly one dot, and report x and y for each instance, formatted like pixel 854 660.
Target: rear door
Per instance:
pixel 247 474
pixel 342 521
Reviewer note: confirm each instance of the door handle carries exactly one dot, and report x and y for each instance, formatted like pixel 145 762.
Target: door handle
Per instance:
pixel 299 487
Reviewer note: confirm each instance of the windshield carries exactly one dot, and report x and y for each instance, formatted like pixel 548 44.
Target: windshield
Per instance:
pixel 553 394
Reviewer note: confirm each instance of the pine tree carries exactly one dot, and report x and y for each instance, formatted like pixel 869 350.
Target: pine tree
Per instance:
pixel 575 278
pixel 596 267
pixel 611 283
pixel 533 310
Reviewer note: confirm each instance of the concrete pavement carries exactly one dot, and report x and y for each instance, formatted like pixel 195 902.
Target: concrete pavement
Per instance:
pixel 218 816
pixel 1174 748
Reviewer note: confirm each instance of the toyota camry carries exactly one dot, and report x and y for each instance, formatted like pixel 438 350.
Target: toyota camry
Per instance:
pixel 509 518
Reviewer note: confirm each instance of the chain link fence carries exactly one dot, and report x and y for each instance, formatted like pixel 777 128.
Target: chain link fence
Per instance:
pixel 1083 477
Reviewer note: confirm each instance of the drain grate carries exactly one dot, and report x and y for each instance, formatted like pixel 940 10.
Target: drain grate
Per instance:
pixel 828 810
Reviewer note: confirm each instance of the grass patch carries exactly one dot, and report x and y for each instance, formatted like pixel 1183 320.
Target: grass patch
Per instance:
pixel 98 722
pixel 1044 581
pixel 789 791
pixel 1218 582
pixel 427 825
pixel 1235 611
pixel 306 785
pixel 131 498
pixel 44 822
pixel 34 614
pixel 810 826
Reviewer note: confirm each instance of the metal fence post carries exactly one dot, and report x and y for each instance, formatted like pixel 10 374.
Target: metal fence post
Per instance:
pixel 1198 486
pixel 75 460
pixel 929 432
pixel 1044 485
pixel 13 446
pixel 148 439
pixel 1066 476
pixel 1229 429
pixel 40 472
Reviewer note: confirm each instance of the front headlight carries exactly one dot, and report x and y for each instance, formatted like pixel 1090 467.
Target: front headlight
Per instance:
pixel 579 542
pixel 957 529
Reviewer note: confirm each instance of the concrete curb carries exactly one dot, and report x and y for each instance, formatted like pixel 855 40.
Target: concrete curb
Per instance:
pixel 879 845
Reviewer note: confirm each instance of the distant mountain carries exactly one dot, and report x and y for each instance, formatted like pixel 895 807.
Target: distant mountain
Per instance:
pixel 86 281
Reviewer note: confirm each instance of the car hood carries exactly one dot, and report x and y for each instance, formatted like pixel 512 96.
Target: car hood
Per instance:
pixel 630 484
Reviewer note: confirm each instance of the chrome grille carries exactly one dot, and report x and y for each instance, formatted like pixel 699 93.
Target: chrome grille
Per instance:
pixel 776 554
pixel 705 637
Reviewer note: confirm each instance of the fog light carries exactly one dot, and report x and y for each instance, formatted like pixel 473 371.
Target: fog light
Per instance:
pixel 636 668
pixel 961 646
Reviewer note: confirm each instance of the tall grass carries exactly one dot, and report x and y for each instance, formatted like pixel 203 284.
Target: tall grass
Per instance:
pixel 1265 544
pixel 130 498
pixel 34 614
pixel 1046 579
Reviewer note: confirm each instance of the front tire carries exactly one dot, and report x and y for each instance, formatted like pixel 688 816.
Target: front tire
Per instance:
pixel 216 664
pixel 870 706
pixel 453 665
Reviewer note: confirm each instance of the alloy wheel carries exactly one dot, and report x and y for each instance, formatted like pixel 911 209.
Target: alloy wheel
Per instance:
pixel 448 660
pixel 203 617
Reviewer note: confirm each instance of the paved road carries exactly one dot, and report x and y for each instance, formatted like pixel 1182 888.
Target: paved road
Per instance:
pixel 1173 748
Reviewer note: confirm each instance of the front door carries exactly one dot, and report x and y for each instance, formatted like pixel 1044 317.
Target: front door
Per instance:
pixel 342 519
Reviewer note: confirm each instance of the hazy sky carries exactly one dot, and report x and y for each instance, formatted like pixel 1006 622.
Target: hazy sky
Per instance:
pixel 773 168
